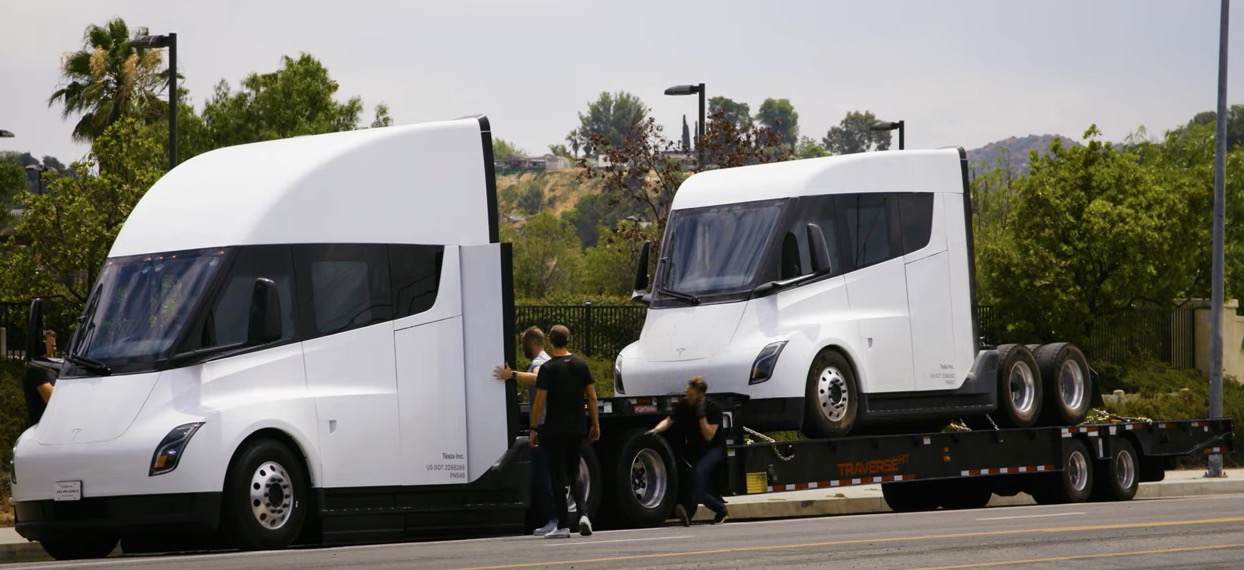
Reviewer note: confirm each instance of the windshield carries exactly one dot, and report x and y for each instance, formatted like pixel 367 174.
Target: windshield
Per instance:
pixel 718 249
pixel 140 305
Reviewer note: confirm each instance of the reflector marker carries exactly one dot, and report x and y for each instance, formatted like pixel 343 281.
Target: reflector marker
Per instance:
pixel 838 483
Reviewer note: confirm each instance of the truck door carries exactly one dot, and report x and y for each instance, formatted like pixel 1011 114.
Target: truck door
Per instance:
pixel 927 267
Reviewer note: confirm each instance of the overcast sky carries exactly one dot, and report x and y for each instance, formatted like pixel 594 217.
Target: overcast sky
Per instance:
pixel 960 72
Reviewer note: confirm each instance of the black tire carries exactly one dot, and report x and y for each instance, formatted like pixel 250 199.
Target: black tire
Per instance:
pixel 644 482
pixel 1073 484
pixel 1118 478
pixel 587 462
pixel 911 496
pixel 970 493
pixel 1068 384
pixel 1019 387
pixel 79 547
pixel 831 400
pixel 266 496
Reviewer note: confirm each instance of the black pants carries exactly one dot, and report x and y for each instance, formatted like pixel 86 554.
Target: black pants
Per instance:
pixel 701 488
pixel 562 450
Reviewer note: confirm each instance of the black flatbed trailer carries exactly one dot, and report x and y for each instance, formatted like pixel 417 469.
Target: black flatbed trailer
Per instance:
pixel 639 476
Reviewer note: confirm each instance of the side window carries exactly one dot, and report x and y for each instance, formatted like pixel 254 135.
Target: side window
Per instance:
pixel 871 229
pixel 226 322
pixel 344 286
pixel 817 210
pixel 916 213
pixel 416 272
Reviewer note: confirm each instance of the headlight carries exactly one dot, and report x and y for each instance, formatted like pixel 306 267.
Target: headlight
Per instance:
pixel 618 388
pixel 762 368
pixel 169 451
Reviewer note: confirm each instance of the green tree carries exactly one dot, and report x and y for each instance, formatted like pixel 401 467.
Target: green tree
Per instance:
pixel 595 210
pixel 686 135
pixel 611 118
pixel 853 135
pixel 808 148
pixel 547 258
pixel 609 266
pixel 382 118
pixel 12 186
pixel 1093 234
pixel 780 116
pixel 64 236
pixel 531 197
pixel 575 139
pixel 1235 123
pixel 107 79
pixel 561 150
pixel 297 99
pixel 502 148
pixel 730 110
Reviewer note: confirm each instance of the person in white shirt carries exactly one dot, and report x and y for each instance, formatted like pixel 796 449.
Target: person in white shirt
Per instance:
pixel 541 477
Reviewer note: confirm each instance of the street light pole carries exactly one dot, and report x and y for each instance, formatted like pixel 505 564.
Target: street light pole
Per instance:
pixel 699 130
pixel 169 41
pixel 1216 287
pixel 891 125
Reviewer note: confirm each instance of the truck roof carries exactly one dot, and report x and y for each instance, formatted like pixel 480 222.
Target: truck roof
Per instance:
pixel 888 171
pixel 415 184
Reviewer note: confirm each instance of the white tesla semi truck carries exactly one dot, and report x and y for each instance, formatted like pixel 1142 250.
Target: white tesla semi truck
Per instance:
pixel 279 336
pixel 834 293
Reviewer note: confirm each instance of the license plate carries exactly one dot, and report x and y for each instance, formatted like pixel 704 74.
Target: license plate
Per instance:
pixel 68 491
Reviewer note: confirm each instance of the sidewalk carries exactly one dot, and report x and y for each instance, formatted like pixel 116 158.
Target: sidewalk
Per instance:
pixel 813 502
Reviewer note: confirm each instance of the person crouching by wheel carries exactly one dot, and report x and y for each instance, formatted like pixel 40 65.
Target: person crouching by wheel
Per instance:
pixel 697 422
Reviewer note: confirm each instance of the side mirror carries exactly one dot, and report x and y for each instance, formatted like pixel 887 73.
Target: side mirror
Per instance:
pixel 264 324
pixel 34 331
pixel 818 249
pixel 641 269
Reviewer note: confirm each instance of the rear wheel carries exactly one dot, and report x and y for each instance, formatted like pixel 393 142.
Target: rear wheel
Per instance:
pixel 831 402
pixel 1071 485
pixel 589 479
pixel 1066 373
pixel 265 501
pixel 1019 387
pixel 645 480
pixel 911 497
pixel 1118 478
pixel 971 493
pixel 79 547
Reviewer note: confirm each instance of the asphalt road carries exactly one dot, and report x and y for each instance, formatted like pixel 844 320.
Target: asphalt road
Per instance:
pixel 1199 532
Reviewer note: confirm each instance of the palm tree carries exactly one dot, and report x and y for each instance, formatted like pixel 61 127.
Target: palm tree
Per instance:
pixel 107 79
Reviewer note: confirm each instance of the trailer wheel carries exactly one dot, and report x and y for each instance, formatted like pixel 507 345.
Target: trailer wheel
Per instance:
pixel 265 499
pixel 1019 386
pixel 1066 372
pixel 589 478
pixel 1118 477
pixel 79 547
pixel 911 497
pixel 1073 484
pixel 645 480
pixel 831 402
pixel 970 493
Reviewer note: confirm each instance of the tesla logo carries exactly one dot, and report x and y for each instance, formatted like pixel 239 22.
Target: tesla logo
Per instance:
pixel 76 431
pixel 680 351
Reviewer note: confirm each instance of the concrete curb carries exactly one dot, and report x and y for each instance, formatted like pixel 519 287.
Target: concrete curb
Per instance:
pixel 14 552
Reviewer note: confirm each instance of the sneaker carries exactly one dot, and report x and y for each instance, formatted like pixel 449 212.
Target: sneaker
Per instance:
pixel 681 513
pixel 721 517
pixel 547 528
pixel 559 533
pixel 585 526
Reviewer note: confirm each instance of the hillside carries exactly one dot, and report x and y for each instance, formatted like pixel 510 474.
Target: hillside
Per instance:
pixel 561 189
pixel 1014 151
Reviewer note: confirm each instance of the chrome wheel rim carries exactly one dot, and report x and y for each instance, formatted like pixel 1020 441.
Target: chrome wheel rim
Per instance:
pixel 648 478
pixel 1022 385
pixel 1071 384
pixel 272 495
pixel 832 394
pixel 1077 471
pixel 585 483
pixel 1125 470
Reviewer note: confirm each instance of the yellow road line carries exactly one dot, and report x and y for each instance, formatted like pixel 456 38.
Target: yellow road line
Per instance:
pixel 862 541
pixel 1085 556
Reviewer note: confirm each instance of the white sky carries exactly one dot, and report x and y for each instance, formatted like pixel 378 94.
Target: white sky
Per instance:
pixel 960 72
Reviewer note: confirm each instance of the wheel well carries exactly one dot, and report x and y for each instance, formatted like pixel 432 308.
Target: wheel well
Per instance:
pixel 281 438
pixel 855 369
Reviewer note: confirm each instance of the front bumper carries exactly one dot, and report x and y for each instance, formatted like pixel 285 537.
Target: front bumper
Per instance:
pixel 120 516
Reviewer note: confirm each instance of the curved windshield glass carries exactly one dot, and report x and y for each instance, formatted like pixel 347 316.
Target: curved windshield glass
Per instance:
pixel 140 305
pixel 718 249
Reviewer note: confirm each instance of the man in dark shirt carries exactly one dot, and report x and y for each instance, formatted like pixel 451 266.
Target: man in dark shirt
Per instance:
pixel 564 387
pixel 697 435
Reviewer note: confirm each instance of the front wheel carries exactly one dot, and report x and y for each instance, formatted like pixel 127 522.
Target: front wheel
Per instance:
pixel 644 480
pixel 831 402
pixel 79 547
pixel 266 496
pixel 1071 485
pixel 1118 477
pixel 1069 386
pixel 1019 386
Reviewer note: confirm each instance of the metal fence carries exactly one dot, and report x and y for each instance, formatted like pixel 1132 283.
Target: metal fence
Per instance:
pixel 13 323
pixel 595 330
pixel 1168 335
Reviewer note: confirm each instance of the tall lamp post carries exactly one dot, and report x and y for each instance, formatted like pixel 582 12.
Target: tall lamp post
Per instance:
pixel 6 134
pixel 169 41
pixel 889 126
pixel 699 130
pixel 1219 220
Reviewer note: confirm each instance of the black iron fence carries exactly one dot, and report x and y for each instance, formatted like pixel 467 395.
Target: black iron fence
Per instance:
pixel 1168 335
pixel 13 329
pixel 601 331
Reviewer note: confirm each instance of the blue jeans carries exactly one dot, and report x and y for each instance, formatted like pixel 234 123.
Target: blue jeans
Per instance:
pixel 701 473
pixel 541 485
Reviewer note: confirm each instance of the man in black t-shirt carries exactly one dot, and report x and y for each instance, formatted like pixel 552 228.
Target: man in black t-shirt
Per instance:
pixel 696 424
pixel 564 387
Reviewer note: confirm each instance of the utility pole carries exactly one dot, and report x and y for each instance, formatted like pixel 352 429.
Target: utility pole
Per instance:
pixel 1216 289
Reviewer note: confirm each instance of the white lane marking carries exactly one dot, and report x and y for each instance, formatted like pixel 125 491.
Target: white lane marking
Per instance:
pixel 574 542
pixel 1030 516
